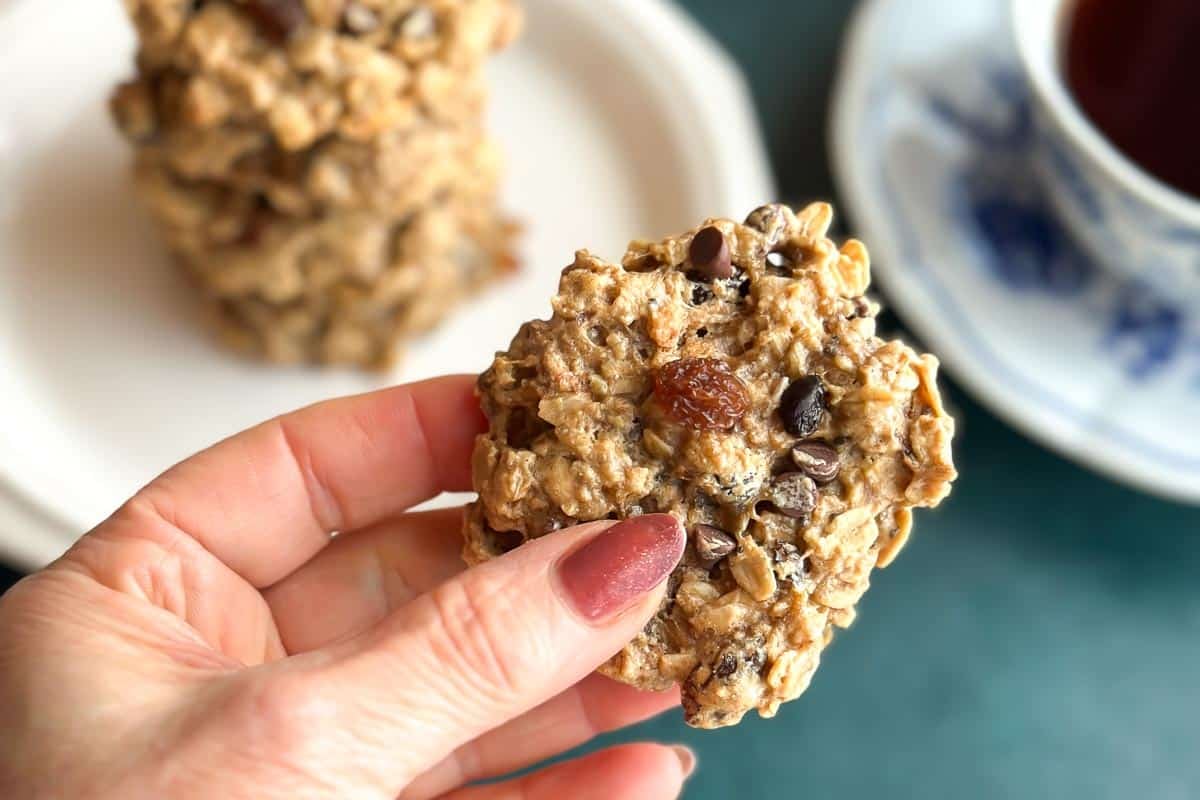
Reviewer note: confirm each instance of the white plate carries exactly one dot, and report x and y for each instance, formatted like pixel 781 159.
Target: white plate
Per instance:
pixel 930 140
pixel 621 119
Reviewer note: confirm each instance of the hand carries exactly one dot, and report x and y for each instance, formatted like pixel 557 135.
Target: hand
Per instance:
pixel 214 639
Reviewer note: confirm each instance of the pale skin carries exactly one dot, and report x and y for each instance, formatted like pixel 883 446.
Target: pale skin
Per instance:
pixel 213 639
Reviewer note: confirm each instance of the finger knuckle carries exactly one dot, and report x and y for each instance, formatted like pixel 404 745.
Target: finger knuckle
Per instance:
pixel 473 637
pixel 282 712
pixel 272 726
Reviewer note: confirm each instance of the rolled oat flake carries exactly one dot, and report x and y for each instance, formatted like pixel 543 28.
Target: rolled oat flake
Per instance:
pixel 419 24
pixel 359 19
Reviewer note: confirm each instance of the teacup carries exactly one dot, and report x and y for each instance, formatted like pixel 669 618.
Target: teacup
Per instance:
pixel 1127 219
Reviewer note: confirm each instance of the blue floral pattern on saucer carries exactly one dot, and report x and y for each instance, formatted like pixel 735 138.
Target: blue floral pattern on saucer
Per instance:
pixel 1030 251
pixel 936 155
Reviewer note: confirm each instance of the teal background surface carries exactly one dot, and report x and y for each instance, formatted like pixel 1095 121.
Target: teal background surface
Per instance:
pixel 1038 638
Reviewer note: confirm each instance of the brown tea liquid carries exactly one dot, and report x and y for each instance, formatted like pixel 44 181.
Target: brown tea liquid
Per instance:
pixel 1134 68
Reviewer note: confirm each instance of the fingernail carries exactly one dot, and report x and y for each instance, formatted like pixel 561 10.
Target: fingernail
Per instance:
pixel 618 567
pixel 687 759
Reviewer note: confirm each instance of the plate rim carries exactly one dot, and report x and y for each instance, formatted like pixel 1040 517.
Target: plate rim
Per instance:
pixel 706 86
pixel 1045 426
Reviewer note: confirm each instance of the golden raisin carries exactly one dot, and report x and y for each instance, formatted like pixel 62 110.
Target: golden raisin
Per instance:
pixel 701 393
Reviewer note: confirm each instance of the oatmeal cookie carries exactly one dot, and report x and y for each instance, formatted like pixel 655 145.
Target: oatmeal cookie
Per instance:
pixel 319 167
pixel 348 289
pixel 731 377
pixel 391 177
pixel 306 69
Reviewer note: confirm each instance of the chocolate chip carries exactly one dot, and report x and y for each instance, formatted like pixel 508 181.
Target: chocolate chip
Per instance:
pixel 358 19
pixel 862 308
pixel 726 665
pixel 817 460
pixel 744 288
pixel 701 294
pixel 277 19
pixel 712 544
pixel 709 254
pixel 793 494
pixel 802 406
pixel 420 23
pixel 770 219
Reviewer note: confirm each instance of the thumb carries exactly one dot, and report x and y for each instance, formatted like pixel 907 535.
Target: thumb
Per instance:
pixel 490 644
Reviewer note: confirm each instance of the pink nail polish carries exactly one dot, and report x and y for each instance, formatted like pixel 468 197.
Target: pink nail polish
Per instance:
pixel 619 566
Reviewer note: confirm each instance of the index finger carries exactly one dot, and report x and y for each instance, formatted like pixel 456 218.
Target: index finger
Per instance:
pixel 266 500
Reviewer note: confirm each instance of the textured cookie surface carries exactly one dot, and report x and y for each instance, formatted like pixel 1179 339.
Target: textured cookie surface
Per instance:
pixel 306 69
pixel 320 168
pixel 731 377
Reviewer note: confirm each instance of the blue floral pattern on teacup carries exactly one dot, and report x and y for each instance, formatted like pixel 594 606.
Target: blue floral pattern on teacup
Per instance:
pixel 1027 249
pixel 1115 225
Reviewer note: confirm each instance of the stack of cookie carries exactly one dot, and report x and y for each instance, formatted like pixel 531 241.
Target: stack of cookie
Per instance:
pixel 320 167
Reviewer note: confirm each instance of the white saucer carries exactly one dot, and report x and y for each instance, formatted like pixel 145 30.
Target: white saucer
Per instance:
pixel 621 119
pixel 930 128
